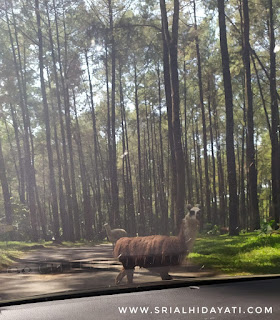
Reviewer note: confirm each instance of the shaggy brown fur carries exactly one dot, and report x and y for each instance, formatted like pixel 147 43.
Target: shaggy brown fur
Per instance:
pixel 224 230
pixel 157 252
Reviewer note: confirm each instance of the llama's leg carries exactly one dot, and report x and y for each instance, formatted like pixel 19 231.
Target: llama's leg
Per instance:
pixel 129 273
pixel 120 276
pixel 164 274
pixel 162 271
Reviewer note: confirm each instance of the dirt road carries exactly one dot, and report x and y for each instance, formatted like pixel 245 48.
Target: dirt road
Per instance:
pixel 60 269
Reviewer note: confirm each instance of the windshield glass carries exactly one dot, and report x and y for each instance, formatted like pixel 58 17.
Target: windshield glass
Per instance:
pixel 139 143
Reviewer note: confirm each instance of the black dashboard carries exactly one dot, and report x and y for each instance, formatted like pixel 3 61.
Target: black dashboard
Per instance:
pixel 255 299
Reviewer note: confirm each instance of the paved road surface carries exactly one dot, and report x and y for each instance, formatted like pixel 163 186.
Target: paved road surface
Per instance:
pixel 58 269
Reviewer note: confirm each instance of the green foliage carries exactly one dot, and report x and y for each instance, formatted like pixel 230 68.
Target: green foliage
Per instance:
pixel 268 227
pixel 85 27
pixel 21 221
pixel 215 230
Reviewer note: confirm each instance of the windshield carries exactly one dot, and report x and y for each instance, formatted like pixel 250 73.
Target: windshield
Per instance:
pixel 139 143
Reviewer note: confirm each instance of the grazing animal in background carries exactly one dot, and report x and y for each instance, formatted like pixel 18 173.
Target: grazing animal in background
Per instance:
pixel 157 253
pixel 114 234
pixel 224 230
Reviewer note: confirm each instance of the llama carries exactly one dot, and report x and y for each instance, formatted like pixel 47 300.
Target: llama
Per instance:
pixel 157 253
pixel 224 230
pixel 114 234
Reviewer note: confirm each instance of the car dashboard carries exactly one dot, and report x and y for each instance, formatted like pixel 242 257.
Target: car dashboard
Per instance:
pixel 208 300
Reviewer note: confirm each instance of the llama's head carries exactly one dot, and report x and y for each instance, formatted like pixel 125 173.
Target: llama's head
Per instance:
pixel 194 212
pixel 106 226
pixel 190 226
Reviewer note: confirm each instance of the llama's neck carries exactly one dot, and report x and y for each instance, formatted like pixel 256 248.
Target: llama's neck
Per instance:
pixel 108 229
pixel 187 234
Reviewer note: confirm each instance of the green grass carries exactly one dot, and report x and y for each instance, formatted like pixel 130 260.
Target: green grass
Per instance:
pixel 239 255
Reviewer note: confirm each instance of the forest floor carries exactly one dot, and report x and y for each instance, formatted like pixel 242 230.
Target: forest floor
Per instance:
pixel 30 269
pixel 246 254
pixel 52 269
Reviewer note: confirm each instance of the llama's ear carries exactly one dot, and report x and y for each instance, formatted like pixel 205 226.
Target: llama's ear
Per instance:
pixel 189 206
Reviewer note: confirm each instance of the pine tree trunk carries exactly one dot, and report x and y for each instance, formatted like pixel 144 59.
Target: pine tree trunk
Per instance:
pixel 163 200
pixel 131 206
pixel 67 182
pixel 231 167
pixel 48 130
pixel 87 208
pixel 62 204
pixel 250 155
pixel 95 146
pixel 198 199
pixel 114 176
pixel 187 156
pixel 221 180
pixel 215 212
pixel 201 99
pixel 275 147
pixel 171 43
pixel 20 156
pixel 199 169
pixel 67 233
pixel 141 206
pixel 109 134
pixel 167 87
pixel 65 87
pixel 5 189
pixel 28 165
